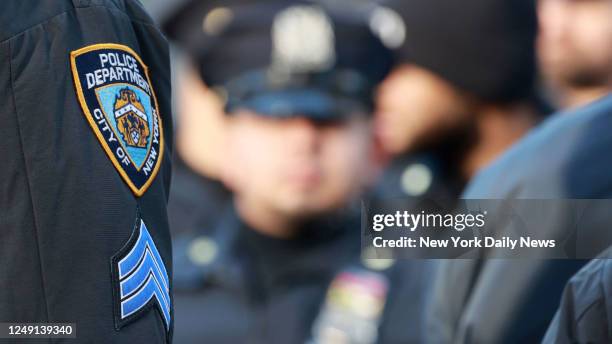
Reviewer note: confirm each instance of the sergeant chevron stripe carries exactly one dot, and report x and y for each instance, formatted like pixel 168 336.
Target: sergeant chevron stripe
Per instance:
pixel 141 278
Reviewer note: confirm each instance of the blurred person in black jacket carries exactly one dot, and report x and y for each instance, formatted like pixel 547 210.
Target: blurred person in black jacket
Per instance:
pixel 464 88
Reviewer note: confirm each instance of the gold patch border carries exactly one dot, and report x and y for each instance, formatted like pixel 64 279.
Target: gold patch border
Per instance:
pixel 81 97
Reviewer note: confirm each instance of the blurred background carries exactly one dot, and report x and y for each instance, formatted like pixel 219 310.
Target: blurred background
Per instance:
pixel 289 113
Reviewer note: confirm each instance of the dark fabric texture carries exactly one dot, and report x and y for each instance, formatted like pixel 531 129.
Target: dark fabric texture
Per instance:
pixel 64 209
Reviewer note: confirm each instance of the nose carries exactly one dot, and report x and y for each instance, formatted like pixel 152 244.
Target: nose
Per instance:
pixel 304 135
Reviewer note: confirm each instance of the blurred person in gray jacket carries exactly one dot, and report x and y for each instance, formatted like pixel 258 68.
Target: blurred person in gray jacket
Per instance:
pixel 560 160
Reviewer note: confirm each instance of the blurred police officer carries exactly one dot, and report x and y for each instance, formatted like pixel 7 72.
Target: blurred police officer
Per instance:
pixel 297 82
pixel 86 130
pixel 575 49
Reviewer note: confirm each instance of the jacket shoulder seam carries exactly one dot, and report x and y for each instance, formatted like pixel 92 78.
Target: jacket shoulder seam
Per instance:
pixel 13 35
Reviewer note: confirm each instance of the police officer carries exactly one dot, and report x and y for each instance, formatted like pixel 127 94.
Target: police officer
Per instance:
pixel 297 80
pixel 86 139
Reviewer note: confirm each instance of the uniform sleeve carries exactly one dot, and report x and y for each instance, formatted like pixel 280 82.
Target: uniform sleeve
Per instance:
pixel 21 293
pixel 586 307
pixel 67 213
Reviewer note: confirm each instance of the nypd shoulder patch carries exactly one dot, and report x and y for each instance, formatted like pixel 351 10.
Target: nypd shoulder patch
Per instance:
pixel 115 92
pixel 140 279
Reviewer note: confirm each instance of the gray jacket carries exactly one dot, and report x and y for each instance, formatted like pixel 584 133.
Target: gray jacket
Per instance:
pixel 514 300
pixel 585 314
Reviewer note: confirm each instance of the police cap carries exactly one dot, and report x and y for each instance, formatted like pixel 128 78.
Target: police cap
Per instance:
pixel 284 58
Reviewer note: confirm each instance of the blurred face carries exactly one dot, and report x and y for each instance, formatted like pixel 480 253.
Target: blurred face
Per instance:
pixel 417 108
pixel 295 167
pixel 576 41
